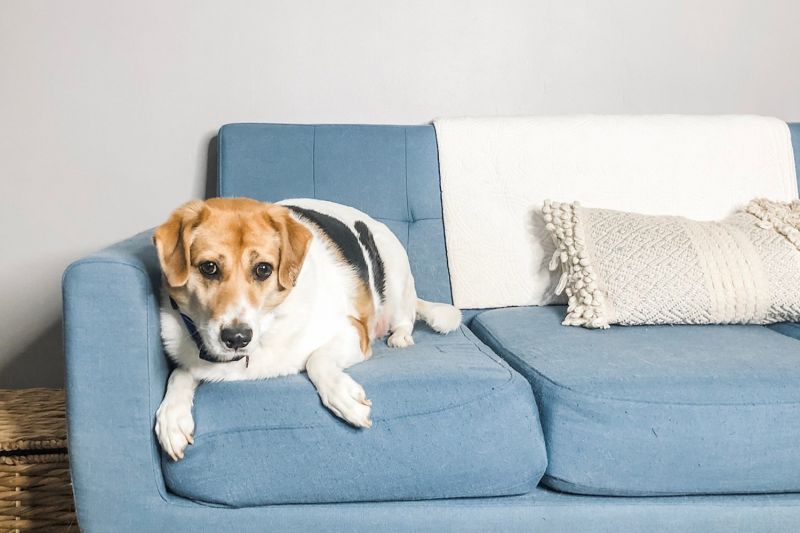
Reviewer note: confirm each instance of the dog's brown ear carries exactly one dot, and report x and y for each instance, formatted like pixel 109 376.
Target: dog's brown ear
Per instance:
pixel 295 239
pixel 172 240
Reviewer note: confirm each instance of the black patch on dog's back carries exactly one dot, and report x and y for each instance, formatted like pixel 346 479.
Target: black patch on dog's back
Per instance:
pixel 368 241
pixel 341 236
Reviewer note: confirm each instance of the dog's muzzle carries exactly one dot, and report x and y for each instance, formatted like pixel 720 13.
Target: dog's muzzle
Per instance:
pixel 202 352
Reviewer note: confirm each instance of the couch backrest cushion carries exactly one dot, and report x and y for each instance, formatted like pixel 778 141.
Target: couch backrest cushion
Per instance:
pixel 389 172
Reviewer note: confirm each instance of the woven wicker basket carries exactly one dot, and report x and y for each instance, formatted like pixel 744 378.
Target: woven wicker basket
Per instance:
pixel 35 488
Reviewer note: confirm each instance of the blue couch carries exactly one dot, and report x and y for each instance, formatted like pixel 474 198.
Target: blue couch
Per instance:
pixel 513 423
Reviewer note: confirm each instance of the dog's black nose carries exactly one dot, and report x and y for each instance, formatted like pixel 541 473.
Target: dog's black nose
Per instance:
pixel 236 337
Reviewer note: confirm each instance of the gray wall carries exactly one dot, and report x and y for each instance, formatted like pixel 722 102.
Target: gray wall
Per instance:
pixel 107 109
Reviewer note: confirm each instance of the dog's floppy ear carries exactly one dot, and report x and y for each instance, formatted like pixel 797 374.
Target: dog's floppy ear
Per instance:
pixel 172 240
pixel 295 239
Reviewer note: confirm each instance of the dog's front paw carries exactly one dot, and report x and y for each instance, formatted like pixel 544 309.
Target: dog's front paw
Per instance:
pixel 400 339
pixel 347 400
pixel 174 427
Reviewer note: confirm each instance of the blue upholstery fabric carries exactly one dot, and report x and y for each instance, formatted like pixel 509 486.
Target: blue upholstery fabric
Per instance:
pixel 389 172
pixel 657 410
pixel 450 419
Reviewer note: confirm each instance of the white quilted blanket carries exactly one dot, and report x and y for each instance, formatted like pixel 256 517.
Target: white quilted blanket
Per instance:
pixel 496 173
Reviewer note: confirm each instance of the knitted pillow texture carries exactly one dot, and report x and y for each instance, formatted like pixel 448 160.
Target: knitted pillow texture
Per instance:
pixel 631 269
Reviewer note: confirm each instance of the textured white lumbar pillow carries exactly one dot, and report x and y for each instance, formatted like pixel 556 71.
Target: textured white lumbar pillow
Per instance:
pixel 626 268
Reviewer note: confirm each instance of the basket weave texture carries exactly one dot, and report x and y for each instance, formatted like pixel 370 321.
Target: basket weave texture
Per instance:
pixel 35 488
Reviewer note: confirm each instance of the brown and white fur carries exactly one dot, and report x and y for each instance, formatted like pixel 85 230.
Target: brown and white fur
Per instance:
pixel 312 312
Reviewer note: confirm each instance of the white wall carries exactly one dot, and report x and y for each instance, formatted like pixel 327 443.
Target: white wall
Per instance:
pixel 107 108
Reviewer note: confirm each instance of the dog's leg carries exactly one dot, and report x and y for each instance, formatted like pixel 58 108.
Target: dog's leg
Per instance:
pixel 402 313
pixel 337 390
pixel 174 422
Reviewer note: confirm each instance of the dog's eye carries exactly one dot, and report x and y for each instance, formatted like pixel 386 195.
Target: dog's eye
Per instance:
pixel 209 269
pixel 262 271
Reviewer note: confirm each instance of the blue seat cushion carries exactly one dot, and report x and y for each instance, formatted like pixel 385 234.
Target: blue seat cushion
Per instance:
pixel 450 419
pixel 657 410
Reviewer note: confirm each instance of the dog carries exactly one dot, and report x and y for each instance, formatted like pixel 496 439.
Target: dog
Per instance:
pixel 253 290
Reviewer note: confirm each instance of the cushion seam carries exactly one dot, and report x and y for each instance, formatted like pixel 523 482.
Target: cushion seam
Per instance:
pixel 505 490
pixel 503 502
pixel 406 221
pixel 599 491
pixel 405 163
pixel 220 156
pixel 314 161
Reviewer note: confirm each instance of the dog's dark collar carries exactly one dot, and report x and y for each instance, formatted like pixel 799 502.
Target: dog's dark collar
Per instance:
pixel 198 340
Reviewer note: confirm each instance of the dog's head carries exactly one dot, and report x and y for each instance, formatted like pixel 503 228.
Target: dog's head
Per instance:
pixel 228 262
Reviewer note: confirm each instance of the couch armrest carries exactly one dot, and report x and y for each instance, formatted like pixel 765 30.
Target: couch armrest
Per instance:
pixel 116 373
